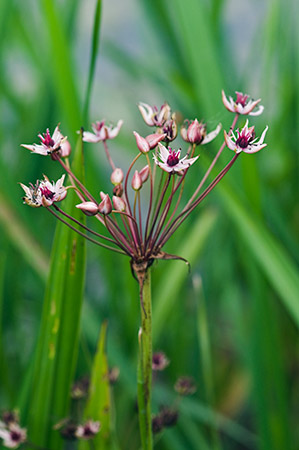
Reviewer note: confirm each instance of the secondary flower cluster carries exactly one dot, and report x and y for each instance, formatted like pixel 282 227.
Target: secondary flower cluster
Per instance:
pixel 143 208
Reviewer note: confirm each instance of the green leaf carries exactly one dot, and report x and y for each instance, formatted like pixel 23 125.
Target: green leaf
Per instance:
pixel 94 52
pixel 22 239
pixel 271 258
pixel 61 67
pixel 58 339
pixel 98 406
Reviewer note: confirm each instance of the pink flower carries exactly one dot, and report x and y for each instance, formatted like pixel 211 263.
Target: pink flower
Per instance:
pixel 152 116
pixel 13 435
pixel 102 132
pixel 44 193
pixel 241 105
pixel 50 145
pixel 196 133
pixel 88 430
pixel 170 160
pixel 245 141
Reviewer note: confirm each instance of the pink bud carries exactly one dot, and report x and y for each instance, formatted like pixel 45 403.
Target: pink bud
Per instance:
pixel 142 143
pixel 144 173
pixel 154 139
pixel 118 203
pixel 105 207
pixel 136 181
pixel 102 195
pixel 88 208
pixel 196 132
pixel 117 176
pixel 65 149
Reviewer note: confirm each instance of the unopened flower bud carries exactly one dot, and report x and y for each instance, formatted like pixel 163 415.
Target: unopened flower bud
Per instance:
pixel 185 386
pixel 105 207
pixel 144 173
pixel 136 181
pixel 142 143
pixel 154 139
pixel 196 132
pixel 118 203
pixel 170 129
pixel 88 208
pixel 118 190
pixel 65 149
pixel 117 176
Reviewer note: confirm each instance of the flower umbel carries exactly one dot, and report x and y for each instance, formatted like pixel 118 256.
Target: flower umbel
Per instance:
pixel 139 215
pixel 242 105
pixel 245 141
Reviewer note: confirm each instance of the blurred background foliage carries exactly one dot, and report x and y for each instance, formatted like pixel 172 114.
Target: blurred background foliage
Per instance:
pixel 232 323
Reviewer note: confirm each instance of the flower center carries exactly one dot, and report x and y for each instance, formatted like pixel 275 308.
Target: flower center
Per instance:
pixel 46 192
pixel 241 98
pixel 15 436
pixel 173 158
pixel 244 139
pixel 47 140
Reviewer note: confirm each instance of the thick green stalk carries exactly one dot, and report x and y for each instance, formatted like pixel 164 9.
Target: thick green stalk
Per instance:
pixel 144 375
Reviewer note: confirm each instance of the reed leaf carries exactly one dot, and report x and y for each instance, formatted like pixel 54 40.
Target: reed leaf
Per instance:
pixel 98 406
pixel 58 339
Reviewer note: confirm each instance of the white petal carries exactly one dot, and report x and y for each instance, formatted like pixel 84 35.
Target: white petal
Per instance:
pixel 263 135
pixel 90 137
pixel 258 111
pixel 164 153
pixel 228 104
pixel 113 132
pixel 254 148
pixel 210 136
pixel 57 136
pixel 229 142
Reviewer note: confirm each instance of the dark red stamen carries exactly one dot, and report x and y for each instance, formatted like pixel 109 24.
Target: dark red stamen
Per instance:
pixel 46 192
pixel 244 139
pixel 47 140
pixel 241 98
pixel 173 158
pixel 15 436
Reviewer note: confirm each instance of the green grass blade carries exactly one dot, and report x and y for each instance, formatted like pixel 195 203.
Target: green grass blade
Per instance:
pixel 61 67
pixel 58 339
pixel 93 58
pixel 22 239
pixel 268 254
pixel 174 274
pixel 99 403
pixel 269 384
pixel 205 352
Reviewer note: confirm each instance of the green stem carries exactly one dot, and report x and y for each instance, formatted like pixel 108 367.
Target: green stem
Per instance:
pixel 144 374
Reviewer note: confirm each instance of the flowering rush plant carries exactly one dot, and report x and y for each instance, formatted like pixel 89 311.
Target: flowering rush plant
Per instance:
pixel 144 205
